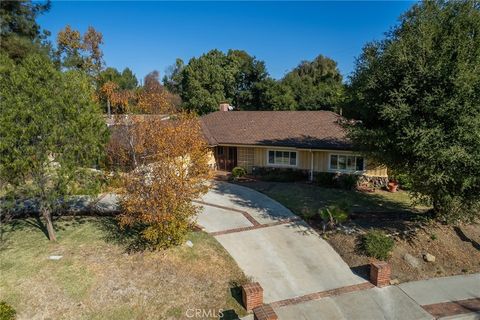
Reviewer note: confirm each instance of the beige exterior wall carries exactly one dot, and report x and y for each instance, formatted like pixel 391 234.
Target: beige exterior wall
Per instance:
pixel 249 157
pixel 245 158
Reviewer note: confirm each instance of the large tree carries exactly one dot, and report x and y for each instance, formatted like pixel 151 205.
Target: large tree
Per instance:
pixel 215 77
pixel 316 85
pixel 417 94
pixel 125 80
pixel 19 32
pixel 80 52
pixel 154 98
pixel 51 133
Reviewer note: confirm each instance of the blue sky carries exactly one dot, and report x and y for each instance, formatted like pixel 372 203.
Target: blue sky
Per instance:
pixel 145 36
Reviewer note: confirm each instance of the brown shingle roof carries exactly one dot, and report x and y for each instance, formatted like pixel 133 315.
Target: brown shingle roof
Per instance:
pixel 300 129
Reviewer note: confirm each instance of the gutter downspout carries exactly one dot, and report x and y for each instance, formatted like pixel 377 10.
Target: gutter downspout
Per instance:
pixel 311 165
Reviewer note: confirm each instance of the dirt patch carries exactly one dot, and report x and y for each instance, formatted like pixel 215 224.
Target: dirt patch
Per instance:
pixel 456 251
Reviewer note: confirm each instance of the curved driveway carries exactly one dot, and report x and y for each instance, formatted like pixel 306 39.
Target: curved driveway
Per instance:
pixel 271 245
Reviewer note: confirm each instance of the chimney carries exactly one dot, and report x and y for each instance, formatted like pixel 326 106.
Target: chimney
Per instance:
pixel 224 106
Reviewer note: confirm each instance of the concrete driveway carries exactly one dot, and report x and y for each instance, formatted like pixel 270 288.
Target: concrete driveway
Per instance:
pixel 271 244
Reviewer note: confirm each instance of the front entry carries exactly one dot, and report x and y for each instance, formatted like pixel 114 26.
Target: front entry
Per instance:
pixel 226 158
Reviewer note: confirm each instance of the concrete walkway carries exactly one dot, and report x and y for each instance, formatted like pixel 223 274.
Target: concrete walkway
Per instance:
pixel 304 278
pixel 271 244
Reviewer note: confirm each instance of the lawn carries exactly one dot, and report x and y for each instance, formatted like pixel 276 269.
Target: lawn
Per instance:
pixel 304 198
pixel 98 279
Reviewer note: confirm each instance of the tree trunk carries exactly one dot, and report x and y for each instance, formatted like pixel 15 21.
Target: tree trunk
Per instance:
pixel 48 221
pixel 109 111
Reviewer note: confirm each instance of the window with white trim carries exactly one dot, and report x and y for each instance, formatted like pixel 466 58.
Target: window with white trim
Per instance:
pixel 349 163
pixel 282 158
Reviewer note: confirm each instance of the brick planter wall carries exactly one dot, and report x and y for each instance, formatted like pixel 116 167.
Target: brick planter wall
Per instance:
pixel 380 272
pixel 264 312
pixel 252 295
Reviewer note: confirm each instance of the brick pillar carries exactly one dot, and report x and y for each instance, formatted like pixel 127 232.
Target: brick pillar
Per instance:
pixel 264 312
pixel 252 295
pixel 380 272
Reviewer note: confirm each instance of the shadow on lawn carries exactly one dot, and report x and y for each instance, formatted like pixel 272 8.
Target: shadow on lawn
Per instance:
pixel 128 237
pixel 36 223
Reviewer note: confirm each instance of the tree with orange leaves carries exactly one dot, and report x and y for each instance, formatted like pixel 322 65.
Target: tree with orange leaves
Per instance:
pixel 80 52
pixel 171 169
pixel 154 98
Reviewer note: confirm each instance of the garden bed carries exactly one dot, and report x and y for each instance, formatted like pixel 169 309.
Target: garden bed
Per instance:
pixel 454 254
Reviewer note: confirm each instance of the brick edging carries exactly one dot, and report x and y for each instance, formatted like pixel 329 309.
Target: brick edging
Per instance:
pixel 445 309
pixel 322 294
pixel 260 226
pixel 244 213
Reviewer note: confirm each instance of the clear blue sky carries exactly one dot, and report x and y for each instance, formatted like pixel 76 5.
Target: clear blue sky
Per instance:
pixel 145 36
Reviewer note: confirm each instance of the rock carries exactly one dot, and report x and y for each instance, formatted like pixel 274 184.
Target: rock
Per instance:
pixel 429 257
pixel 55 257
pixel 411 260
pixel 189 243
pixel 394 281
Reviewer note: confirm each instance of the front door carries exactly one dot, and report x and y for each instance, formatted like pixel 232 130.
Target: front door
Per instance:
pixel 226 158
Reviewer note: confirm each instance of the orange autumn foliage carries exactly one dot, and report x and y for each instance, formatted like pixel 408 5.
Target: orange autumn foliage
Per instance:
pixel 170 170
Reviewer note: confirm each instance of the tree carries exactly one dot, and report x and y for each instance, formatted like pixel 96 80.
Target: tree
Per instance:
pixel 125 80
pixel 171 170
pixel 116 99
pixel 316 85
pixel 77 52
pixel 216 77
pixel 116 90
pixel 51 133
pixel 154 98
pixel 249 73
pixel 417 94
pixel 19 32
pixel 274 95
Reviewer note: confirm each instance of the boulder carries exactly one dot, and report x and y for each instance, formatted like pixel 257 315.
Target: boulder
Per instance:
pixel 429 257
pixel 411 260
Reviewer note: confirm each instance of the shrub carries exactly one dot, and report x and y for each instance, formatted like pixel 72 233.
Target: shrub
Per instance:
pixel 325 179
pixel 377 244
pixel 347 181
pixel 333 215
pixel 6 311
pixel 404 181
pixel 281 174
pixel 238 172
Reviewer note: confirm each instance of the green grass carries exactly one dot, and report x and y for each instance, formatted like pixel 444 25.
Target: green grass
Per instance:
pixel 303 198
pixel 98 279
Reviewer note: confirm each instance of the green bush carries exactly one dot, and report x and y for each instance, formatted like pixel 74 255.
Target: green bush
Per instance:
pixel 6 311
pixel 377 244
pixel 325 179
pixel 347 181
pixel 281 174
pixel 238 172
pixel 404 181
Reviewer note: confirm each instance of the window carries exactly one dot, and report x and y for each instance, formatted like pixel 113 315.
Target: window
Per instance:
pixel 282 158
pixel 347 163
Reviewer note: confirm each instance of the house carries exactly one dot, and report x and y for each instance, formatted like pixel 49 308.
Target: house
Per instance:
pixel 312 141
